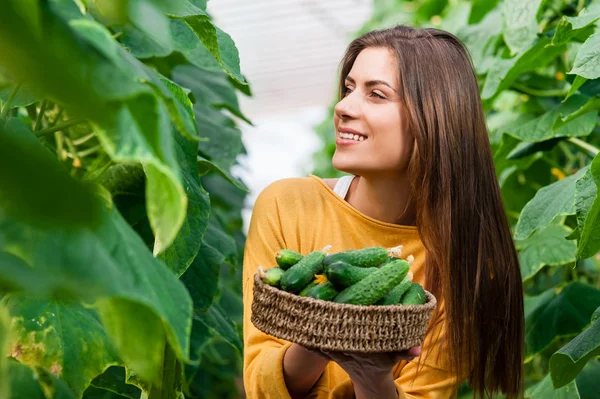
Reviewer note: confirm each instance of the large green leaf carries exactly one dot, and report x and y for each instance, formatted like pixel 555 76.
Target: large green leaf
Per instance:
pixel 586 191
pixel 209 88
pixel 519 23
pixel 569 27
pixel 189 239
pixel 556 313
pixel 66 339
pixel 587 62
pixel 225 139
pixel 189 23
pixel 544 390
pixel 220 325
pixel 105 257
pixel 202 277
pixel 557 199
pixel 112 380
pixel 568 361
pixel 505 71
pixel 588 109
pixel 541 127
pixel 205 166
pixel 84 68
pixel 546 247
pixel 37 383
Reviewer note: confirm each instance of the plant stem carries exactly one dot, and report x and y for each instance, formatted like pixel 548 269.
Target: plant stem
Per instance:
pixel 540 93
pixel 65 125
pixel 172 374
pixel 73 150
pixel 83 139
pixel 10 99
pixel 60 148
pixel 585 146
pixel 40 116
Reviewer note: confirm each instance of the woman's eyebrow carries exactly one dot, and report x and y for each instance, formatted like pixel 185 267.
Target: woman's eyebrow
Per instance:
pixel 371 83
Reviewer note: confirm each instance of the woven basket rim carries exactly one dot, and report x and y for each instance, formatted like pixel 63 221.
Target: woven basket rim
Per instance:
pixel 427 306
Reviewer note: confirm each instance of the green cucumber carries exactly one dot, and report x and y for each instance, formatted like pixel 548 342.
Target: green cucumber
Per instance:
pixel 393 297
pixel 287 258
pixel 325 291
pixel 272 276
pixel 298 276
pixel 308 287
pixel 415 295
pixel 366 257
pixel 376 285
pixel 343 274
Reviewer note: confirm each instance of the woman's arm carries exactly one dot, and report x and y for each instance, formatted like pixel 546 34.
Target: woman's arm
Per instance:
pixel 301 370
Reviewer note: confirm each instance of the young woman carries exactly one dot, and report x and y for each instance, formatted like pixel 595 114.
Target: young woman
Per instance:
pixel 412 137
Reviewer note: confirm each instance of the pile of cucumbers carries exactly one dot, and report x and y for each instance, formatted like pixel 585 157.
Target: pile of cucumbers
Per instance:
pixel 368 276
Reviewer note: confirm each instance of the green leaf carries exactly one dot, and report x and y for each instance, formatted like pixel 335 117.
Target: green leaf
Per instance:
pixel 4 350
pixel 577 83
pixel 587 61
pixel 557 313
pixel 205 166
pixel 524 149
pixel 544 390
pixel 541 128
pixel 27 169
pixel 34 383
pixel 569 27
pixel 519 23
pixel 557 199
pixel 595 315
pixel 110 87
pixel 186 245
pixel 587 110
pixel 219 43
pixel 568 361
pixel 66 339
pixel 202 277
pixel 217 322
pixel 586 191
pixel 504 71
pixel 112 380
pixel 546 247
pixel 108 259
pixel 225 139
pixel 209 88
pixel 25 96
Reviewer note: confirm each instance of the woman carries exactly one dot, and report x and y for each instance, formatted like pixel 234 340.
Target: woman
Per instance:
pixel 411 135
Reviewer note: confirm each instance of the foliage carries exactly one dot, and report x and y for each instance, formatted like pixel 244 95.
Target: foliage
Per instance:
pixel 121 230
pixel 538 68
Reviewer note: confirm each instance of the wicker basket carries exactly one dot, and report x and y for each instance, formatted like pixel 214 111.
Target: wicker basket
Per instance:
pixel 330 326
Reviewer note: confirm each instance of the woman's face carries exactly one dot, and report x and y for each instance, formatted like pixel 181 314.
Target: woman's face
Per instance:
pixel 374 111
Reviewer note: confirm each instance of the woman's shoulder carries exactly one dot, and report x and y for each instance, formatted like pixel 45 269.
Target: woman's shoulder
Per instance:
pixel 293 190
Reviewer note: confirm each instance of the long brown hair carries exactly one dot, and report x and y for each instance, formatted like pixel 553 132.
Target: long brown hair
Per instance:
pixel 471 260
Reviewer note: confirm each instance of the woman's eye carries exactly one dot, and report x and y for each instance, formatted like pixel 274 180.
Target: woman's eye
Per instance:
pixel 347 89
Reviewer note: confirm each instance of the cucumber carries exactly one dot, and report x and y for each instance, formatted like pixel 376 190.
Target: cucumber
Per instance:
pixel 298 276
pixel 376 285
pixel 343 274
pixel 415 295
pixel 393 297
pixel 287 258
pixel 325 291
pixel 272 276
pixel 308 287
pixel 366 257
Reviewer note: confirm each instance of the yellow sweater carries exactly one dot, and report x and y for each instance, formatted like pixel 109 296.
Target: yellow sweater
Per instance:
pixel 304 214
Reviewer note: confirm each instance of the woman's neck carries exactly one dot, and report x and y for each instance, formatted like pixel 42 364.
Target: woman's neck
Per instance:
pixel 382 198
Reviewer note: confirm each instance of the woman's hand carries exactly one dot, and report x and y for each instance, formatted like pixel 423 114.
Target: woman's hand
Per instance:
pixel 371 373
